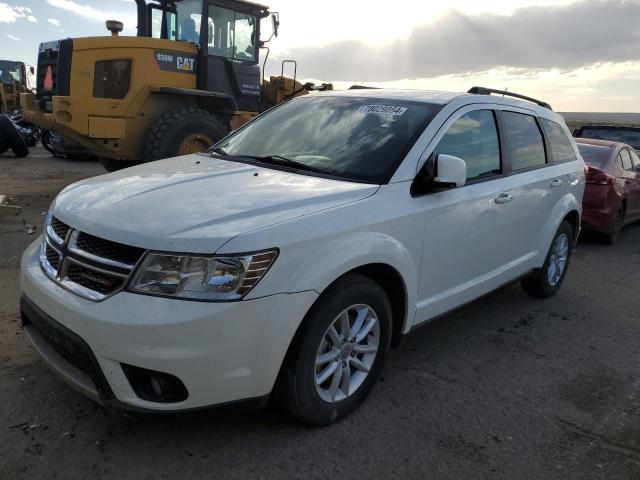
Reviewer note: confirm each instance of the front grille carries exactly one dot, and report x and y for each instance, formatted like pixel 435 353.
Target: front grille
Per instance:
pixel 67 344
pixel 53 257
pixel 108 249
pixel 59 228
pixel 93 280
pixel 89 266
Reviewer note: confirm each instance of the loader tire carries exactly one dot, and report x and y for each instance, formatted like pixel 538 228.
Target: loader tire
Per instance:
pixel 183 131
pixel 13 138
pixel 111 165
pixel 4 144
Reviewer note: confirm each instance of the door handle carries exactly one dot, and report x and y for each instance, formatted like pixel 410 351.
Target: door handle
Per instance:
pixel 555 183
pixel 504 198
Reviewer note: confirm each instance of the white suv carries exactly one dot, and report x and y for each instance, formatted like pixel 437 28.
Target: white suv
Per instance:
pixel 289 258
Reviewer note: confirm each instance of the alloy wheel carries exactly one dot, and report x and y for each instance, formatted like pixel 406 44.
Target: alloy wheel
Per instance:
pixel 558 259
pixel 347 353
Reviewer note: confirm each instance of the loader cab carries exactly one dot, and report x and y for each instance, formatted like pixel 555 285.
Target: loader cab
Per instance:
pixel 227 33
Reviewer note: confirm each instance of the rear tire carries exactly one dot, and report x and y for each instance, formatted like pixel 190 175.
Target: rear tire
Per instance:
pixel 13 137
pixel 299 389
pixel 182 131
pixel 545 281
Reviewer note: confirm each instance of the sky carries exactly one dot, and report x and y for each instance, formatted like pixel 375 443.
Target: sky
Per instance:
pixel 577 55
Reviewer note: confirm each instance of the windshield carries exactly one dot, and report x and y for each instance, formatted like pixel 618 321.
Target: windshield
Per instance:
pixel 594 154
pixel 620 135
pixel 10 72
pixel 362 139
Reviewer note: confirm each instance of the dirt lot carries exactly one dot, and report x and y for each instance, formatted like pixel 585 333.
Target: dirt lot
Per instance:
pixel 507 388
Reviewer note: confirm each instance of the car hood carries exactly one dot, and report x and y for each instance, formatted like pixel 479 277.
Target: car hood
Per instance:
pixel 196 203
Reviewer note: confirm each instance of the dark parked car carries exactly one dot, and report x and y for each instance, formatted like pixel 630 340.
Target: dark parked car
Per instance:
pixel 612 194
pixel 628 135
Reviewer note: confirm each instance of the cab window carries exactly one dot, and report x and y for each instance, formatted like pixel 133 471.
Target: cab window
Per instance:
pixel 525 141
pixel 157 26
pixel 474 138
pixel 231 34
pixel 189 19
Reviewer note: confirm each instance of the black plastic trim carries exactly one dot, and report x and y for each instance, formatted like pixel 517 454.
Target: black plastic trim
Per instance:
pixel 33 315
pixel 64 68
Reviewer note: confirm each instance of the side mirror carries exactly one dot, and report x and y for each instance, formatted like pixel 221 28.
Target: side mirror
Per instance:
pixel 32 70
pixel 450 170
pixel 275 23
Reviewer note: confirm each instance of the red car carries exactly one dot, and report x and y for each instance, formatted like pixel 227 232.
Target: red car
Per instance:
pixel 612 194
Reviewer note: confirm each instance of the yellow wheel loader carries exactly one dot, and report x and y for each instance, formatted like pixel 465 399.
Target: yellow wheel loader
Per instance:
pixel 13 82
pixel 190 76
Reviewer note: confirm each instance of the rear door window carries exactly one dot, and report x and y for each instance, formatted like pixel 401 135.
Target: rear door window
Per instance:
pixel 474 138
pixel 626 159
pixel 525 141
pixel 561 147
pixel 635 160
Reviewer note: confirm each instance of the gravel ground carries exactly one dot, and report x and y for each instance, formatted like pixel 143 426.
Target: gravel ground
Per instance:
pixel 506 388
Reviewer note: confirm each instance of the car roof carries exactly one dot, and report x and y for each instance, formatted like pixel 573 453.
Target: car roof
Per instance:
pixel 437 97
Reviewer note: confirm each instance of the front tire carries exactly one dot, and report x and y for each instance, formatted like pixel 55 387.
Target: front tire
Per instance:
pixel 546 281
pixel 182 131
pixel 338 353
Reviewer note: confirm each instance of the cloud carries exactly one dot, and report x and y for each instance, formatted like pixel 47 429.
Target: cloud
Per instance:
pixel 32 19
pixel 10 13
pixel 13 38
pixel 54 21
pixel 78 8
pixel 564 37
pixel 128 18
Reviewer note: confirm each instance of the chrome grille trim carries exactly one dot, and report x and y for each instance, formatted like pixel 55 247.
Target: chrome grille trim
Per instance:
pixel 73 248
pixel 71 256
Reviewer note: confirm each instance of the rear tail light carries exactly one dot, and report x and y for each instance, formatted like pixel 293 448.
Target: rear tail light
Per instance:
pixel 598 177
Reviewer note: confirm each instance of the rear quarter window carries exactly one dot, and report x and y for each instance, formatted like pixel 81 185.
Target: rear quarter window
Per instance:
pixel 525 141
pixel 561 147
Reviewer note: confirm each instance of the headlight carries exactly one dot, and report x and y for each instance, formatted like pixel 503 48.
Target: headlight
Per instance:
pixel 219 278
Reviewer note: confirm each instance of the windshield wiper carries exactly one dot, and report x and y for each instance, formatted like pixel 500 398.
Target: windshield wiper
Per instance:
pixel 220 151
pixel 285 162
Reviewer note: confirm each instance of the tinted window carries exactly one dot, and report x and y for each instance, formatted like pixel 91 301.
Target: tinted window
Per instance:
pixel 626 159
pixel 635 160
pixel 474 138
pixel 525 140
pixel 350 137
pixel 619 135
pixel 594 154
pixel 561 148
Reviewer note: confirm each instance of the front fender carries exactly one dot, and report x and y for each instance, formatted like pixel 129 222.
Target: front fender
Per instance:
pixel 344 254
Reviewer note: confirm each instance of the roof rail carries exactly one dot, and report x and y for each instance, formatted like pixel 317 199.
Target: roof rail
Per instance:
pixel 489 91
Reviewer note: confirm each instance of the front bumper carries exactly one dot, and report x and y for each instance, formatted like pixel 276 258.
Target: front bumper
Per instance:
pixel 222 352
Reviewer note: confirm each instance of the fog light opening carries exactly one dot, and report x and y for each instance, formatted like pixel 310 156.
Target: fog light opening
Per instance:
pixel 152 386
